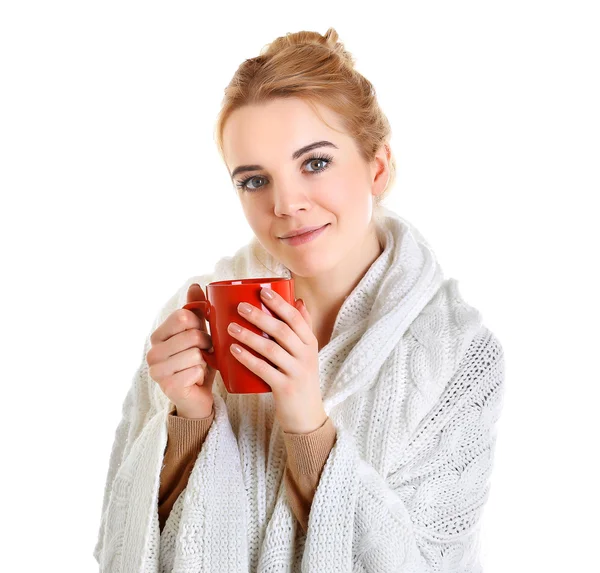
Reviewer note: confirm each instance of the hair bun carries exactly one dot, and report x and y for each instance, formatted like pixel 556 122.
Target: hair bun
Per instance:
pixel 306 37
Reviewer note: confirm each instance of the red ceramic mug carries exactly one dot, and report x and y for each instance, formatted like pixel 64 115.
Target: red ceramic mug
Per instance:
pixel 220 309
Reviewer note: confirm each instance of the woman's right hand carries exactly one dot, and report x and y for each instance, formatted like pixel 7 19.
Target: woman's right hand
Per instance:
pixel 176 363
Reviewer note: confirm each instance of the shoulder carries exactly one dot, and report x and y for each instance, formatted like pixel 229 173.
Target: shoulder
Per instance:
pixel 481 372
pixel 485 351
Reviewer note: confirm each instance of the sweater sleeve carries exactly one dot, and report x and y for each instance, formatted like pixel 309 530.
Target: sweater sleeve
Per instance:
pixel 141 411
pixel 307 454
pixel 184 442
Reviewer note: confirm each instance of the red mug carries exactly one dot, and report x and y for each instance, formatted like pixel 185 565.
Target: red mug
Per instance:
pixel 220 309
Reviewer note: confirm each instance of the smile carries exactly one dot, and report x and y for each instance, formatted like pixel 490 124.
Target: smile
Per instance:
pixel 306 237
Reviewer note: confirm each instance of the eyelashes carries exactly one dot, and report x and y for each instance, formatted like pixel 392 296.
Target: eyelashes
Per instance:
pixel 328 159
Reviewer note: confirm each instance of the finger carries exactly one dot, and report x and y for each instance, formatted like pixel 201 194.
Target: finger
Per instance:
pixel 262 369
pixel 195 293
pixel 275 328
pixel 266 348
pixel 178 321
pixel 178 362
pixel 290 315
pixel 179 386
pixel 304 312
pixel 179 342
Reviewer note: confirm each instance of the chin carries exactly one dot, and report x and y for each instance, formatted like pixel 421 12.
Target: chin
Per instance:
pixel 312 266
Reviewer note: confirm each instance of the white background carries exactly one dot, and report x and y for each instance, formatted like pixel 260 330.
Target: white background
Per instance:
pixel 113 194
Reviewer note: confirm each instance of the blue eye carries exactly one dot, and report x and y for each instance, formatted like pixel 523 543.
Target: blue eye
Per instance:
pixel 327 159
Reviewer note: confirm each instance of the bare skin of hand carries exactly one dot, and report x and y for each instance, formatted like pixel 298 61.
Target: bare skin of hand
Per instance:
pixel 294 349
pixel 176 363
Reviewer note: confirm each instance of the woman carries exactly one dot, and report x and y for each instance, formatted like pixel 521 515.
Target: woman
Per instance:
pixel 374 450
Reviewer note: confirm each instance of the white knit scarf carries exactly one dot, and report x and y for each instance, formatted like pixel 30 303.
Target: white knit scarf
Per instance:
pixel 396 493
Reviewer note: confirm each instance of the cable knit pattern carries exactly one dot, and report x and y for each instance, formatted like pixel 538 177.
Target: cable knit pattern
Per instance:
pixel 413 383
pixel 306 456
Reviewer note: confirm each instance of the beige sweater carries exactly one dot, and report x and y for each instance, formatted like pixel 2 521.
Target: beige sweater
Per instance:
pixel 307 454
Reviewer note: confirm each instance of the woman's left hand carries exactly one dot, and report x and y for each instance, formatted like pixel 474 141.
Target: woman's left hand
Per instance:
pixel 296 385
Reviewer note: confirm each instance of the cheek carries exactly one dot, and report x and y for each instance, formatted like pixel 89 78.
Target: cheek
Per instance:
pixel 333 193
pixel 343 195
pixel 253 211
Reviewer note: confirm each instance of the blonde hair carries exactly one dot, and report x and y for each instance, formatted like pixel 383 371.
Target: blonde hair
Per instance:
pixel 316 69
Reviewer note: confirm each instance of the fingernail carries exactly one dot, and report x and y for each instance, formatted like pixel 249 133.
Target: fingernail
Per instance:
pixel 267 293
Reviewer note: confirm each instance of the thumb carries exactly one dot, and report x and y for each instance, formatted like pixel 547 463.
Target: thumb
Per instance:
pixel 194 293
pixel 304 311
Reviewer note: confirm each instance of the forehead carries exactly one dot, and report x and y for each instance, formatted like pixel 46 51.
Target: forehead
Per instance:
pixel 255 133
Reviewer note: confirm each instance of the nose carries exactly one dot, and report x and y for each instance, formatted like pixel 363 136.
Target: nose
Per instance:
pixel 288 199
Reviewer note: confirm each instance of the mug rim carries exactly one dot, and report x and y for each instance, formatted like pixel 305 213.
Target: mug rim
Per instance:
pixel 246 282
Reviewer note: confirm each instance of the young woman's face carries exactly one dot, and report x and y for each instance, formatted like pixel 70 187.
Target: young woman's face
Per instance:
pixel 282 190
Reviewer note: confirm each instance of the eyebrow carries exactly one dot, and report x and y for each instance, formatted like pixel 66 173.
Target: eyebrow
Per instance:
pixel 295 155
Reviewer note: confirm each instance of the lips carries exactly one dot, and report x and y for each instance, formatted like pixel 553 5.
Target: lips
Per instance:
pixel 304 232
pixel 307 237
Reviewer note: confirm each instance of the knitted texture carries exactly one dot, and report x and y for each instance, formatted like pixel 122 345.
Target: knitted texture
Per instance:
pixel 412 381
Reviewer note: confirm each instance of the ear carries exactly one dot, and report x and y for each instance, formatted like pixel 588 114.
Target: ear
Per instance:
pixel 380 169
